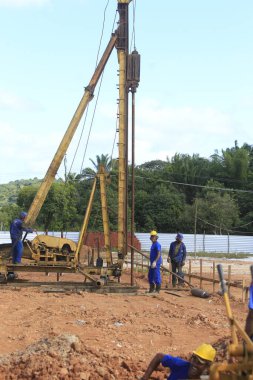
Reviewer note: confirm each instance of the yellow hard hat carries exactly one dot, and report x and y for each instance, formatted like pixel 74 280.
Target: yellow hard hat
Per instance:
pixel 153 233
pixel 206 352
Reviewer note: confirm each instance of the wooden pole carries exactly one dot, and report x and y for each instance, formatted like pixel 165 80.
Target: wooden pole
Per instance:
pixel 229 279
pixel 243 291
pixel 213 276
pixel 200 272
pixel 190 271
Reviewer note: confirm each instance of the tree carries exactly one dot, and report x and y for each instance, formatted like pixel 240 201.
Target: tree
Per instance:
pixel 7 214
pixel 104 160
pixel 217 211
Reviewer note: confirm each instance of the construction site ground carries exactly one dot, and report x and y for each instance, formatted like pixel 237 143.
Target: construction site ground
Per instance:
pixel 64 334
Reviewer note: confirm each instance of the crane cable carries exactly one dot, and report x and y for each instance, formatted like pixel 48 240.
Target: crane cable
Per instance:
pixel 79 141
pixel 86 113
pixel 93 116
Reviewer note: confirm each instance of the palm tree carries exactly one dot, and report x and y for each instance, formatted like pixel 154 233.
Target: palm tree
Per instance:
pixel 104 160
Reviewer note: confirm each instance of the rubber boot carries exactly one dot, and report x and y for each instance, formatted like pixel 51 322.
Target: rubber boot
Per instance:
pixel 158 288
pixel 151 288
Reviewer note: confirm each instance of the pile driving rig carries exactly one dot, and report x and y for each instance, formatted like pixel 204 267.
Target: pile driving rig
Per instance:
pixel 51 254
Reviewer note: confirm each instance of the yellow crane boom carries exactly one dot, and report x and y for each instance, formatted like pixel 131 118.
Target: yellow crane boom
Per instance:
pixel 58 157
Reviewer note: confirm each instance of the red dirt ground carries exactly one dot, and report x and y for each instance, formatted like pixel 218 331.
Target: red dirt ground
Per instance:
pixel 81 335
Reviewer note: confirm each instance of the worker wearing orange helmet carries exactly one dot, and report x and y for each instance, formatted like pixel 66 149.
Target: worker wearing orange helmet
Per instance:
pixel 198 364
pixel 154 273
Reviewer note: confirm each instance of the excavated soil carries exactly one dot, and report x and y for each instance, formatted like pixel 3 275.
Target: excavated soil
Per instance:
pixel 80 335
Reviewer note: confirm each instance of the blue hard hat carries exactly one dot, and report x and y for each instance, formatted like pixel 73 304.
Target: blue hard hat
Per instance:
pixel 23 215
pixel 179 236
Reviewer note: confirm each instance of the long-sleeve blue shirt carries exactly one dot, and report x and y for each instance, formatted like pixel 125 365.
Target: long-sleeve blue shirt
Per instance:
pixel 180 255
pixel 17 228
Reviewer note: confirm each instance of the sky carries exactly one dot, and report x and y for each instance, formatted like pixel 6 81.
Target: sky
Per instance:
pixel 195 95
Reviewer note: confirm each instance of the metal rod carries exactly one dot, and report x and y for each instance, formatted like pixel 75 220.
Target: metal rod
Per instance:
pixel 133 187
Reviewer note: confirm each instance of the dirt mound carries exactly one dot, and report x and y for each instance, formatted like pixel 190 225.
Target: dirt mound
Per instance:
pixel 66 357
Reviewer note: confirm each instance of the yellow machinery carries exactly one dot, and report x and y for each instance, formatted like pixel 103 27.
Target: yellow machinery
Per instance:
pixel 240 363
pixel 50 253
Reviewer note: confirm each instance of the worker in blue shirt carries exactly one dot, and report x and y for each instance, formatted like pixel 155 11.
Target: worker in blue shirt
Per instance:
pixel 198 364
pixel 249 319
pixel 177 256
pixel 16 231
pixel 154 273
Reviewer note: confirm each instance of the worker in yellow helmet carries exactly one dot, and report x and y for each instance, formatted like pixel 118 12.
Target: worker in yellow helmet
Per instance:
pixel 198 364
pixel 154 273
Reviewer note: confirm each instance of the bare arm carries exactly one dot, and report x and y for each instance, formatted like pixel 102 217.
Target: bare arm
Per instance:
pixel 152 366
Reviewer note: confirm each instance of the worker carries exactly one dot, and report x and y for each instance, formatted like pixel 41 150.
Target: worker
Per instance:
pixel 177 256
pixel 199 364
pixel 154 273
pixel 249 319
pixel 16 231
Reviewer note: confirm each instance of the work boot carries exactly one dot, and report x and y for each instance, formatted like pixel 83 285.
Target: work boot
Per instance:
pixel 158 288
pixel 151 288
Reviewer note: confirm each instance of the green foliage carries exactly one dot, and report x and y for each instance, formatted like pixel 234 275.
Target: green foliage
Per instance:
pixel 9 192
pixel 178 194
pixel 7 214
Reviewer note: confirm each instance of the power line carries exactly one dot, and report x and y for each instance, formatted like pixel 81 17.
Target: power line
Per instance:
pixel 224 228
pixel 198 186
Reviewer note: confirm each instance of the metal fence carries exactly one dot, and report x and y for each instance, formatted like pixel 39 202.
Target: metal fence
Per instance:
pixel 203 243
pixel 194 243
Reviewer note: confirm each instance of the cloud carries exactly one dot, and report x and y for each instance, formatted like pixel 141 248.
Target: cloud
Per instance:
pixel 22 3
pixel 23 154
pixel 162 131
pixel 8 100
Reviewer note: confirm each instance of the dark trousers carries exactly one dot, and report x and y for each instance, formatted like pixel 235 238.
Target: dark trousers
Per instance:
pixel 17 251
pixel 177 268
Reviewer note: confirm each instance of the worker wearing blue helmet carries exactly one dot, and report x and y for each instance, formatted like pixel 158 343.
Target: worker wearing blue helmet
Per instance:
pixel 154 273
pixel 177 256
pixel 16 231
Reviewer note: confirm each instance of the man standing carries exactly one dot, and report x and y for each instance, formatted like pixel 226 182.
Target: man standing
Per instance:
pixel 198 364
pixel 154 274
pixel 177 256
pixel 16 232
